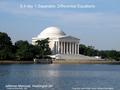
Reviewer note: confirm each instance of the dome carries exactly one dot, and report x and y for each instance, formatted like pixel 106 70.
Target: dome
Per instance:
pixel 51 32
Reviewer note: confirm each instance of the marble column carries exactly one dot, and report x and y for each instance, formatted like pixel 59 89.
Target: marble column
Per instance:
pixel 58 47
pixel 70 47
pixel 64 47
pixel 54 48
pixel 75 48
pixel 61 48
pixel 78 48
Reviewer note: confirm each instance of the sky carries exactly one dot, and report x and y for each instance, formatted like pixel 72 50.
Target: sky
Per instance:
pixel 97 25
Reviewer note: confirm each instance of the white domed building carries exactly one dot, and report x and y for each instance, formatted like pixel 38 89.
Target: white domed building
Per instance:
pixel 62 45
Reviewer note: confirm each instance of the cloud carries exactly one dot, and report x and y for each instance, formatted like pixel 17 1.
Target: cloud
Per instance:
pixel 73 17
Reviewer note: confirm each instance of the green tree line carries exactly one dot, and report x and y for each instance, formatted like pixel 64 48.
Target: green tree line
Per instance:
pixel 105 54
pixel 22 50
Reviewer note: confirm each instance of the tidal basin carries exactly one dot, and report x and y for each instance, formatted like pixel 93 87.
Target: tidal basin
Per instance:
pixel 59 77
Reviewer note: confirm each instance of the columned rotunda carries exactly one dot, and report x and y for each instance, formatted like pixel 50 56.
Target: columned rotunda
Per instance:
pixel 60 43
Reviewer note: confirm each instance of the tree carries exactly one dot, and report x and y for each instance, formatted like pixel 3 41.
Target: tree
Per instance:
pixel 110 54
pixel 82 49
pixel 24 50
pixel 105 54
pixel 87 50
pixel 43 47
pixel 6 47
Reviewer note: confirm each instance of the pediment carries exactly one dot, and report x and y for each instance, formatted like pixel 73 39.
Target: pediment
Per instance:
pixel 69 38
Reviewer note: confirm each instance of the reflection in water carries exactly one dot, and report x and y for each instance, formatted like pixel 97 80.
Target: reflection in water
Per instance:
pixel 62 77
pixel 53 73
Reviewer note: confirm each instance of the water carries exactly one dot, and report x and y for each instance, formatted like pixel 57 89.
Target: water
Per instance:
pixel 60 77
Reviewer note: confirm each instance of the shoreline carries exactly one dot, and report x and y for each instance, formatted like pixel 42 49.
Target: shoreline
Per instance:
pixel 64 62
pixel 86 62
pixel 16 62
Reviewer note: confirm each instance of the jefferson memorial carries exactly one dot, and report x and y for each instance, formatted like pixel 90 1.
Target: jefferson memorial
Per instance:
pixel 62 46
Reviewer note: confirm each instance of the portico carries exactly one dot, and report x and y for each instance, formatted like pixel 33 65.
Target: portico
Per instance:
pixel 66 47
